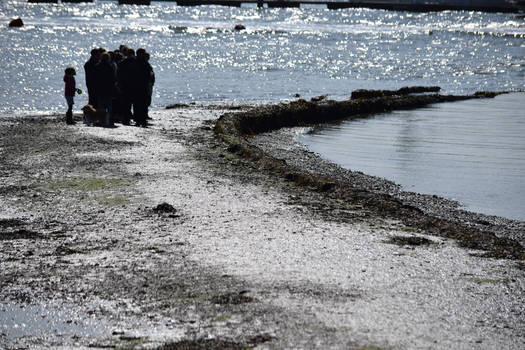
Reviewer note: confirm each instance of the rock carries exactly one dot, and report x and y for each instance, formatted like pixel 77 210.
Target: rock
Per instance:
pixel 232 298
pixel 291 177
pixel 164 208
pixel 319 98
pixel 486 94
pixel 177 105
pixel 234 148
pixel 410 241
pixel 239 27
pixel 17 22
pixel 362 93
pixel 327 186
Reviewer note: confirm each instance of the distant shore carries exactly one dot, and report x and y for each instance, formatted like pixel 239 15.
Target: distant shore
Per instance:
pixel 417 6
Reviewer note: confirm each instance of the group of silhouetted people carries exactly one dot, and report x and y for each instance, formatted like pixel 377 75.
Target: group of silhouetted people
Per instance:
pixel 120 81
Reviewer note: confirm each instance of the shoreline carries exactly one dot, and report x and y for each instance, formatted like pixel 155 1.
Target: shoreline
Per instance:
pixel 163 237
pixel 245 134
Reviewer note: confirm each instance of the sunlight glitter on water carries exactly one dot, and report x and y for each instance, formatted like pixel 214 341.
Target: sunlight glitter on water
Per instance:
pixel 310 51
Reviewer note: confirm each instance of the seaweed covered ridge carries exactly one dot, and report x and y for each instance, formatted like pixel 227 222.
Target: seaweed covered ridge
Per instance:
pixel 236 129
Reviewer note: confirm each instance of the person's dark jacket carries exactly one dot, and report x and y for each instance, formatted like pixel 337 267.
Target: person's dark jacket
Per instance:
pixel 125 74
pixel 105 79
pixel 70 85
pixel 151 74
pixel 141 73
pixel 90 71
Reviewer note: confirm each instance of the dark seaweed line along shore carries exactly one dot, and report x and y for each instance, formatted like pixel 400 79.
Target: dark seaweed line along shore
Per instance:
pixel 235 130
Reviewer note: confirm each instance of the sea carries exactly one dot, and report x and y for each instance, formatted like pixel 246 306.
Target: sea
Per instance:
pixel 198 56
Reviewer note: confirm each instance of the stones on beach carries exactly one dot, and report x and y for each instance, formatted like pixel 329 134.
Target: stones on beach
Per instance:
pixel 413 241
pixel 327 186
pixel 177 106
pixel 486 94
pixel 291 177
pixel 19 234
pixel 319 98
pixel 208 343
pixel 232 298
pixel 239 27
pixel 234 148
pixel 363 93
pixel 165 208
pixel 16 23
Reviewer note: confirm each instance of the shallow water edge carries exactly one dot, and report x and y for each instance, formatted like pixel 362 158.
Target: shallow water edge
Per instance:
pixel 470 151
pixel 499 237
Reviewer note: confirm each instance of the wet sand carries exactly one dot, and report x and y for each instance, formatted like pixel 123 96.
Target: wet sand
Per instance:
pixel 138 238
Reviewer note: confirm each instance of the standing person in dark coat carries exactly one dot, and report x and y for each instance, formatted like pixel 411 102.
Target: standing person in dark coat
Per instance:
pixel 116 58
pixel 69 93
pixel 141 79
pixel 105 86
pixel 125 83
pixel 150 83
pixel 89 68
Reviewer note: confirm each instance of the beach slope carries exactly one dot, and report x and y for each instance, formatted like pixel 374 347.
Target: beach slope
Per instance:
pixel 167 238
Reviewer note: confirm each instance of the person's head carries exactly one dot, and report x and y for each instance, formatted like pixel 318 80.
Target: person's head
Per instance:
pixel 146 56
pixel 130 52
pixel 141 52
pixel 95 54
pixel 117 56
pixel 105 57
pixel 70 71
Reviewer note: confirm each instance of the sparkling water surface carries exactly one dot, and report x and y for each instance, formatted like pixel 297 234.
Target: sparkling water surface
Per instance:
pixel 198 56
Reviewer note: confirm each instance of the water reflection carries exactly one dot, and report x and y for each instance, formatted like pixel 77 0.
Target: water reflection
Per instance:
pixel 472 151
pixel 20 320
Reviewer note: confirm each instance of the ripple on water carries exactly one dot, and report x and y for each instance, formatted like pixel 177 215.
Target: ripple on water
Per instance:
pixel 471 151
pixel 310 51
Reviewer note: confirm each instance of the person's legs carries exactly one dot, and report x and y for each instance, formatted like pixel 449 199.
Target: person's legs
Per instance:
pixel 117 116
pixel 69 113
pixel 109 110
pixel 126 107
pixel 104 102
pixel 139 110
pixel 92 97
pixel 148 100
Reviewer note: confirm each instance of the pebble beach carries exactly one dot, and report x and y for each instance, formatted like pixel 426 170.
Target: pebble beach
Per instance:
pixel 162 238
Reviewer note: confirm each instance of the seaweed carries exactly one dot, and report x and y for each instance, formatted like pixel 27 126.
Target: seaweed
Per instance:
pixel 235 129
